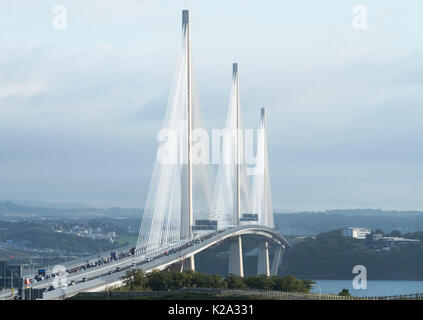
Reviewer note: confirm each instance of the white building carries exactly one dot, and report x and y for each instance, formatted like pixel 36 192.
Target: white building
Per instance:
pixel 357 233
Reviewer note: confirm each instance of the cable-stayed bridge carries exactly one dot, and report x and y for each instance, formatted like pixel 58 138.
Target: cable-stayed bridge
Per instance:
pixel 186 211
pixel 180 202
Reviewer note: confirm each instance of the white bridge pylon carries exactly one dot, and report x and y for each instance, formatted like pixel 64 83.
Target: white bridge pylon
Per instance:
pixel 232 190
pixel 179 191
pixel 261 192
pixel 182 199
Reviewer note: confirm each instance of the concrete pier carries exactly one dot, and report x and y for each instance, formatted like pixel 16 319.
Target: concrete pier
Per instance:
pixel 263 258
pixel 235 257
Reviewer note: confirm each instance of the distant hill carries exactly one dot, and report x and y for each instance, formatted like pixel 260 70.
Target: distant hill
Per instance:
pixel 361 212
pixel 302 223
pixel 41 236
pixel 56 205
pixel 312 223
pixel 332 256
pixel 9 209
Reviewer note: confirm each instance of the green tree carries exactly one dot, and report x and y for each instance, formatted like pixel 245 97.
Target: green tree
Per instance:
pixel 291 284
pixel 160 281
pixel 262 282
pixel 235 282
pixel 135 280
pixel 202 280
pixel 308 284
pixel 181 279
pixel 344 293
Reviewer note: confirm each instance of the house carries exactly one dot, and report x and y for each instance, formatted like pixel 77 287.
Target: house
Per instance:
pixel 357 233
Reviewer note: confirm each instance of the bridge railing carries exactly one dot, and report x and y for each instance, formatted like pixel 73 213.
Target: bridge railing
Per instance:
pixel 250 292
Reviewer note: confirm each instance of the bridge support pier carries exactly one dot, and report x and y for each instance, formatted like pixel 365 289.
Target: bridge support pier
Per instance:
pixel 188 264
pixel 263 259
pixel 177 267
pixel 276 260
pixel 183 265
pixel 235 257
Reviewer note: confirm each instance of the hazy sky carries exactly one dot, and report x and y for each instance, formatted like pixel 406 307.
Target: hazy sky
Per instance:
pixel 80 108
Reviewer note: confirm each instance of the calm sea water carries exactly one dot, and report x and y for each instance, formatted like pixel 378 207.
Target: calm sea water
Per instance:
pixel 374 287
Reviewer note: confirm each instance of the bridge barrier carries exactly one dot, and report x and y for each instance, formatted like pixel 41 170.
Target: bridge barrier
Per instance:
pixel 250 292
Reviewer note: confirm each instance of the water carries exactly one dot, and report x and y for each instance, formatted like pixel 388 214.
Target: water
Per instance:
pixel 374 287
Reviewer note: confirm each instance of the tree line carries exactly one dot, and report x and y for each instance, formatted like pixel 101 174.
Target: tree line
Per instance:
pixel 136 280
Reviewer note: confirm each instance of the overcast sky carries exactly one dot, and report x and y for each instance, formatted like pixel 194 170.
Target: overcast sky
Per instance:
pixel 80 108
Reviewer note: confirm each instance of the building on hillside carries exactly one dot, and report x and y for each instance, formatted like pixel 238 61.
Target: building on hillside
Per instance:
pixel 393 241
pixel 357 233
pixel 378 241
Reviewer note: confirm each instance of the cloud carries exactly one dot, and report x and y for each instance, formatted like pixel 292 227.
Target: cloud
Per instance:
pixel 21 89
pixel 125 7
pixel 80 109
